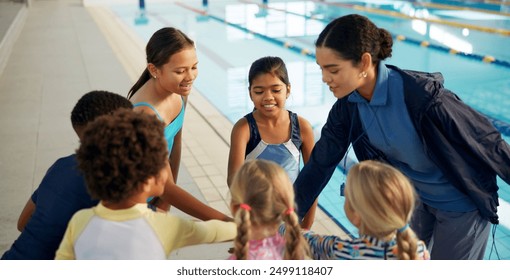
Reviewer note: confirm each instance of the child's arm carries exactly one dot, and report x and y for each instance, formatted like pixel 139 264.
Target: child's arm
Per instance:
pixel 238 140
pixel 184 201
pixel 323 247
pixel 307 137
pixel 306 150
pixel 213 231
pixel 65 250
pixel 176 232
pixel 75 227
pixel 175 155
pixel 216 231
pixel 309 218
pixel 26 214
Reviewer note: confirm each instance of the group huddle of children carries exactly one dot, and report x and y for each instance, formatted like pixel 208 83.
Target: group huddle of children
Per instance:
pixel 111 199
pixel 122 161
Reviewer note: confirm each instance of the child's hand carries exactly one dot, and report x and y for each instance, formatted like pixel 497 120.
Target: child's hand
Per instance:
pixel 158 205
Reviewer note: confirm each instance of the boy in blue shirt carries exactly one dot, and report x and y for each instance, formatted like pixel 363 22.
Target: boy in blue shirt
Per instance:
pixel 62 191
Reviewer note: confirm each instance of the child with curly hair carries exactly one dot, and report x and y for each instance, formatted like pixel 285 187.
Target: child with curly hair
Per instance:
pixel 379 201
pixel 263 198
pixel 125 160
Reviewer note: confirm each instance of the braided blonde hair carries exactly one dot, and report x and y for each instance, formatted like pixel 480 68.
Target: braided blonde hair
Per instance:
pixel 265 196
pixel 384 199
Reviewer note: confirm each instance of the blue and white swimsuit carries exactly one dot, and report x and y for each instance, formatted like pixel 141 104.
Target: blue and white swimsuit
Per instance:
pixel 286 154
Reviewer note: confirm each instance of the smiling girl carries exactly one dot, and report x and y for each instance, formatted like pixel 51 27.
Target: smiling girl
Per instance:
pixel 271 132
pixel 163 90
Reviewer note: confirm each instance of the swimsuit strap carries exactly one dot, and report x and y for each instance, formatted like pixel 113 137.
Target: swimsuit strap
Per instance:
pixel 139 104
pixel 254 134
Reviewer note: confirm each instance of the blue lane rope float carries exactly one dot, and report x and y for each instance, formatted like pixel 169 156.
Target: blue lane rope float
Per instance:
pixel 499 3
pixel 483 58
pixel 426 44
pixel 459 8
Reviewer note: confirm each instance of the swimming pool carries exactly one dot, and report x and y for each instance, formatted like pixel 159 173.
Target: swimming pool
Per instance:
pixel 469 46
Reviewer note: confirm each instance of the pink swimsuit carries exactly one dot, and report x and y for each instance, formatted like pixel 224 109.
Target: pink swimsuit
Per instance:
pixel 269 248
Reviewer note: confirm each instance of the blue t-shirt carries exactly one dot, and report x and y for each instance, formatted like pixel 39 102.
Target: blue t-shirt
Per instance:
pixel 62 193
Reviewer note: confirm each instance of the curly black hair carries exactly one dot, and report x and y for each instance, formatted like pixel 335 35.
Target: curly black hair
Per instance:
pixel 119 152
pixel 97 103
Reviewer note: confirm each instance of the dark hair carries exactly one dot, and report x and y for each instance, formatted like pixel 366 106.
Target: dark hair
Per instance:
pixel 119 152
pixel 353 35
pixel 268 65
pixel 97 103
pixel 161 46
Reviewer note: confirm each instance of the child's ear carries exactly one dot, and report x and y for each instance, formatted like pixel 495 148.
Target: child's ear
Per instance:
pixel 153 70
pixel 355 219
pixel 288 91
pixel 147 185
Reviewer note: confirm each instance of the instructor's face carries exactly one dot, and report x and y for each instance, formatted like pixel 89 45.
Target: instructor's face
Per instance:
pixel 339 74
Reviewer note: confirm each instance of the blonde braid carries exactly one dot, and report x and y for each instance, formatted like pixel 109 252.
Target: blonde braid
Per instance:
pixel 296 247
pixel 241 242
pixel 263 191
pixel 407 245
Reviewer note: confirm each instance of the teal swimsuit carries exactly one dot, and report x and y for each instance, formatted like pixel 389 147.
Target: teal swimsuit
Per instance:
pixel 172 128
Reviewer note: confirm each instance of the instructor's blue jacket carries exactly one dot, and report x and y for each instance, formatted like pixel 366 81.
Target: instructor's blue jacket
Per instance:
pixel 462 143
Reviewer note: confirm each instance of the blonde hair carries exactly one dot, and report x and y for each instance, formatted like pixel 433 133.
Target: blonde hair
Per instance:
pixel 384 200
pixel 266 195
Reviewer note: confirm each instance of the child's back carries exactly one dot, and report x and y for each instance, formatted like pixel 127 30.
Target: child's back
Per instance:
pixel 379 201
pixel 366 247
pixel 135 233
pixel 125 160
pixel 62 193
